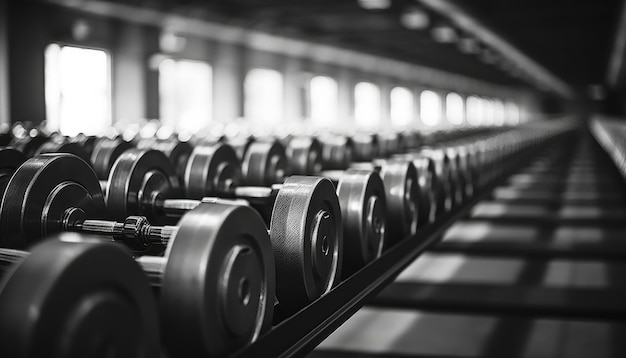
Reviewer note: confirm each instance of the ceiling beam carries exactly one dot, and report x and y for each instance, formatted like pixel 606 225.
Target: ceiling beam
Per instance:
pixel 615 73
pixel 469 24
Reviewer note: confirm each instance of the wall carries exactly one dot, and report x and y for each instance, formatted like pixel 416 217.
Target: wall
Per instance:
pixel 4 65
pixel 133 42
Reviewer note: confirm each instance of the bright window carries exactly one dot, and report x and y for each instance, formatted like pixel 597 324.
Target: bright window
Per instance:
pixel 487 112
pixel 430 108
pixel 324 93
pixel 401 106
pixel 263 96
pixel 498 108
pixel 474 111
pixel 455 111
pixel 366 104
pixel 512 113
pixel 77 90
pixel 185 94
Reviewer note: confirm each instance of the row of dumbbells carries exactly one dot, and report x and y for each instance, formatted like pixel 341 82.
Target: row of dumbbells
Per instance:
pixel 223 273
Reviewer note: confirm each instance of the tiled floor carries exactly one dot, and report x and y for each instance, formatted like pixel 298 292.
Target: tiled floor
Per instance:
pixel 536 270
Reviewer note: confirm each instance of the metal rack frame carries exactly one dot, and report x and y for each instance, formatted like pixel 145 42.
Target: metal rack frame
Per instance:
pixel 300 333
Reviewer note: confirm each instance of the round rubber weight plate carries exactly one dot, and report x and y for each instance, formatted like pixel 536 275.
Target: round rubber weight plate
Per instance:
pixel 10 160
pixel 211 170
pixel 307 237
pixel 38 194
pixel 402 193
pixel 136 180
pixel 178 152
pixel 264 164
pixel 72 148
pixel 77 298
pixel 217 293
pixel 105 153
pixel 304 155
pixel 363 210
pixel 336 151
pixel 426 176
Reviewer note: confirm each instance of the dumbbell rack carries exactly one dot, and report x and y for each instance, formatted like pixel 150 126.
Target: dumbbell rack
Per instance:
pixel 552 286
pixel 302 332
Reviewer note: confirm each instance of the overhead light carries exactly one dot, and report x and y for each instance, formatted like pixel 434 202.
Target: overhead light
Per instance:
pixel 171 42
pixel 488 56
pixel 414 18
pixel 81 30
pixel 469 45
pixel 444 34
pixel 374 4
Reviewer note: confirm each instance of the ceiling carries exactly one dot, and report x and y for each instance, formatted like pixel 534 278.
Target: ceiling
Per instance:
pixel 571 39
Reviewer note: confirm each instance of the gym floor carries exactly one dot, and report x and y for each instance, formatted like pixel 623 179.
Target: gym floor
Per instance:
pixel 535 270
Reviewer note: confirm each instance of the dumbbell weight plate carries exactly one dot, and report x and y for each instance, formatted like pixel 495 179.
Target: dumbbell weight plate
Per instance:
pixel 307 239
pixel 304 155
pixel 337 152
pixel 64 147
pixel 137 180
pixel 211 170
pixel 426 174
pixel 77 299
pixel 366 147
pixel 465 171
pixel 217 292
pixel 178 152
pixel 29 145
pixel 105 153
pixel 241 145
pixel 402 194
pixel 10 160
pixel 87 142
pixel 38 194
pixel 363 210
pixel 264 164
pixel 452 162
pixel 441 180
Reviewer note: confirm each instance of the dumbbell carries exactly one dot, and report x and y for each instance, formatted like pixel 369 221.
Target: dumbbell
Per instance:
pixel 240 144
pixel 216 282
pixel 10 160
pixel 29 142
pixel 60 144
pixel 402 194
pixel 337 151
pixel 177 152
pixel 263 162
pixel 401 180
pixel 213 263
pixel 87 142
pixel 303 214
pixel 75 297
pixel 362 200
pixel 365 147
pixel 104 154
pixel 62 190
pixel 304 155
